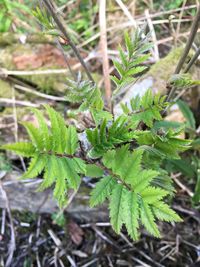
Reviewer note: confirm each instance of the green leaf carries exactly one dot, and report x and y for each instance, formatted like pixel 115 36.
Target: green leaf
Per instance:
pixel 131 214
pixel 196 197
pixel 188 114
pixel 36 166
pixel 182 166
pixel 163 212
pixel 35 135
pixel 148 220
pixel 116 208
pixel 93 171
pixel 71 140
pixel 182 80
pixel 102 190
pixel 151 194
pixel 143 180
pixel 21 148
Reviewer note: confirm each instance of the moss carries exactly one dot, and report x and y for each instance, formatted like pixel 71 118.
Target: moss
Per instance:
pixel 45 83
pixel 5 89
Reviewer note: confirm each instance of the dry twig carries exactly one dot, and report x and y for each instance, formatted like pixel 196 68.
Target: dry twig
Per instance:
pixel 104 50
pixel 66 36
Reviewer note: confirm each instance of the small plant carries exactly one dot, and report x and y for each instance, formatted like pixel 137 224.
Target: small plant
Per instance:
pixel 125 153
pixel 8 12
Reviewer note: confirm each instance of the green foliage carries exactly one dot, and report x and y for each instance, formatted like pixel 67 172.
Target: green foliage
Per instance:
pixel 59 219
pixel 83 24
pixel 8 11
pixel 52 152
pixel 146 108
pixel 43 18
pixel 167 143
pixel 86 93
pixel 133 198
pixel 182 80
pixel 187 113
pixel 168 4
pixel 125 153
pixel 131 59
pixel 107 136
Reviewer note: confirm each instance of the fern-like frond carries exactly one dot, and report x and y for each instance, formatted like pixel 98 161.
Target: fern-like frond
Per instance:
pixel 131 58
pixel 145 109
pixel 89 97
pixel 164 213
pixel 133 196
pixel 102 190
pixel 52 152
pixel 182 80
pixel 131 214
pixel 148 219
pixel 108 135
pixel 24 149
pixel 167 143
pixel 116 207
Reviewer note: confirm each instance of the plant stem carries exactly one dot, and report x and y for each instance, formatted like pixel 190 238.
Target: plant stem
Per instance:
pixel 191 37
pixel 192 61
pixel 67 36
pixel 104 50
pixel 98 164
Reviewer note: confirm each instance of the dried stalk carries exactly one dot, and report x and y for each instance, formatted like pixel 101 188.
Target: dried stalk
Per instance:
pixel 192 35
pixel 192 61
pixel 104 50
pixel 189 43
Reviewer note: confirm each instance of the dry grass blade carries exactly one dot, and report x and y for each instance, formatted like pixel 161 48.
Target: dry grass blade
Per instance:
pixel 12 243
pixel 153 34
pixel 127 13
pixel 34 92
pixel 7 101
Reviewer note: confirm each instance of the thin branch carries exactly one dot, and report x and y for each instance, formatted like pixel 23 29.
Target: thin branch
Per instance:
pixel 104 50
pixel 192 61
pixel 179 23
pixel 17 102
pixel 189 43
pixel 34 92
pixel 191 37
pixel 65 58
pixel 89 161
pixel 67 36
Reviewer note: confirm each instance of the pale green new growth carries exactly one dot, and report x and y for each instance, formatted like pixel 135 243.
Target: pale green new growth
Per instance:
pixel 182 80
pixel 131 59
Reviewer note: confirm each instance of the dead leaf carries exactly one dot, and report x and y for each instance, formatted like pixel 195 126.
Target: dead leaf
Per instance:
pixel 75 232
